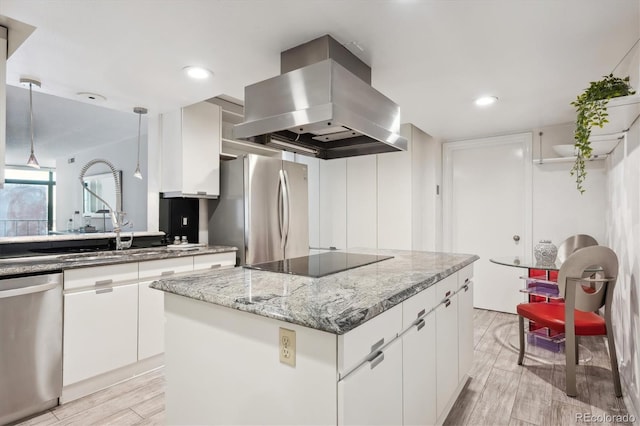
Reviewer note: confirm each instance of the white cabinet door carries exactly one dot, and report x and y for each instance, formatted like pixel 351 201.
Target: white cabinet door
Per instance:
pixel 361 201
pixel 151 321
pixel 372 394
pixel 465 329
pixel 333 203
pixel 394 200
pixel 100 331
pixel 191 150
pixel 419 372
pixel 151 302
pixel 446 351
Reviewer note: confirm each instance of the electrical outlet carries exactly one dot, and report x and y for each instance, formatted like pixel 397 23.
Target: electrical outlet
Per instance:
pixel 288 346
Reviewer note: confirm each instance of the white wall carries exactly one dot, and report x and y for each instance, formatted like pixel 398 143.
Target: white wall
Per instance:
pixel 134 191
pixel 559 210
pixel 623 236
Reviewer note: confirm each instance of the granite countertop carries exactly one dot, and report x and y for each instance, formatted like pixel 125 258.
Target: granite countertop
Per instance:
pixel 50 263
pixel 335 303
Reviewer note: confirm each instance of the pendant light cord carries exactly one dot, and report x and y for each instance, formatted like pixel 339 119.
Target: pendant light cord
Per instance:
pixel 31 114
pixel 139 124
pixel 625 56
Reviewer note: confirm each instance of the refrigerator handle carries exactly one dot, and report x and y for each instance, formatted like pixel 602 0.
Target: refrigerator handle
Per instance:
pixel 287 207
pixel 282 208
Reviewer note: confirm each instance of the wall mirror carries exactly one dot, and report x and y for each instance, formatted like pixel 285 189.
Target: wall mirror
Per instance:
pixel 69 133
pixel 103 185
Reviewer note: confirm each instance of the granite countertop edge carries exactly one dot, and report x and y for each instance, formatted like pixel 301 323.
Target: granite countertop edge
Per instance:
pixel 336 324
pixel 55 263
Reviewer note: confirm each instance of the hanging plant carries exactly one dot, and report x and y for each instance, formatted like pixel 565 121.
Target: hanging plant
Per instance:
pixel 591 109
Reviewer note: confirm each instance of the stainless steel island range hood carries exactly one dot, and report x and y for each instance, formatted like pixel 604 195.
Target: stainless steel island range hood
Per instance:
pixel 321 105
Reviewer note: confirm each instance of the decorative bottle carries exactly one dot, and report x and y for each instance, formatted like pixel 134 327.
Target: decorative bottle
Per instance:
pixel 545 252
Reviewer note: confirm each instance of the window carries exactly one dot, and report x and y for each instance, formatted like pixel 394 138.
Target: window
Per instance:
pixel 27 202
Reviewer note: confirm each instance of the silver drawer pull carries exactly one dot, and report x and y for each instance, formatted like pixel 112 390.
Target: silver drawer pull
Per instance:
pixel 216 266
pixel 466 280
pixel 447 294
pixel 422 312
pixel 164 273
pixel 104 282
pixel 104 290
pixel 420 324
pixel 377 345
pixel 447 303
pixel 377 359
pixel 466 287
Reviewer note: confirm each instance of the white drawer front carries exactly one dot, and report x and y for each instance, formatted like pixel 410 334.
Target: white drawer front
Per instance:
pixel 100 331
pixel 165 267
pixel 418 306
pixel 446 288
pixel 100 275
pixel 354 346
pixel 214 261
pixel 465 275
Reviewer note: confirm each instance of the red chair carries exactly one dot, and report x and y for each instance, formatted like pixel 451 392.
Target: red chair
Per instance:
pixel 577 315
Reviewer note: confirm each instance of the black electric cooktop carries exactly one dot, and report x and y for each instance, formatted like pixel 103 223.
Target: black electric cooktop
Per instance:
pixel 319 265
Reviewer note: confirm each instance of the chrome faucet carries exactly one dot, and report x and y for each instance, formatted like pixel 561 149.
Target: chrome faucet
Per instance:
pixel 117 215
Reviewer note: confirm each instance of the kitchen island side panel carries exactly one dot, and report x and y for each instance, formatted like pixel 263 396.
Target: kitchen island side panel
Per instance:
pixel 222 367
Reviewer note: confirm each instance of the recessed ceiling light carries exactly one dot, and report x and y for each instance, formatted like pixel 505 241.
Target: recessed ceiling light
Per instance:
pixel 93 97
pixel 198 73
pixel 486 100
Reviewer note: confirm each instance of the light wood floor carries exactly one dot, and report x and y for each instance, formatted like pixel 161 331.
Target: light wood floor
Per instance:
pixel 500 392
pixel 138 401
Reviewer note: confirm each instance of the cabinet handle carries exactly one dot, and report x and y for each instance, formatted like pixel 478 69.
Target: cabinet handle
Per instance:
pixel 377 359
pixel 104 282
pixel 447 294
pixel 201 192
pixel 420 324
pixel 466 287
pixel 466 280
pixel 422 312
pixel 164 273
pixel 104 290
pixel 377 345
pixel 447 303
pixel 216 266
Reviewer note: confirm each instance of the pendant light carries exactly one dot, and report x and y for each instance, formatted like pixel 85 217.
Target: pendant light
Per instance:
pixel 32 162
pixel 139 111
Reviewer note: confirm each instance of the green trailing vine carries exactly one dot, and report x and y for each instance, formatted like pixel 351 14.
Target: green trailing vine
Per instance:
pixel 591 109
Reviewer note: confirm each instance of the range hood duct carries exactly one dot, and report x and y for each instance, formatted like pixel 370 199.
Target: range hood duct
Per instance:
pixel 321 105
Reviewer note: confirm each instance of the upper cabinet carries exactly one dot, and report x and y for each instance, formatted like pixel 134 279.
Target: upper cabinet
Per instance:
pixel 191 140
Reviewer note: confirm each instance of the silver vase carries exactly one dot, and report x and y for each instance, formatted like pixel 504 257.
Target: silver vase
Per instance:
pixel 545 252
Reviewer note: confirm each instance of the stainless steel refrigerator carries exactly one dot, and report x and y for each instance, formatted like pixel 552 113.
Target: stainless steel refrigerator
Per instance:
pixel 263 209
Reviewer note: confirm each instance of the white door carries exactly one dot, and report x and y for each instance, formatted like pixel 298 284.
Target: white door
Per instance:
pixel 487 211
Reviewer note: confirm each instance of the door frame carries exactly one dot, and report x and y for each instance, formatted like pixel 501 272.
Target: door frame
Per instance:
pixel 449 148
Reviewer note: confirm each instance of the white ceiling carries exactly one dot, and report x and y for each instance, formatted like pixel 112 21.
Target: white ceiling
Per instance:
pixel 431 57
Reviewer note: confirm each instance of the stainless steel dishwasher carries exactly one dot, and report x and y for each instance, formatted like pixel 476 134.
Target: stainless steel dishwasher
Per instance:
pixel 30 345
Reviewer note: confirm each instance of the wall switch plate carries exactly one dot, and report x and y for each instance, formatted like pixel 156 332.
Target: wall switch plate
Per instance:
pixel 287 346
pixel 185 221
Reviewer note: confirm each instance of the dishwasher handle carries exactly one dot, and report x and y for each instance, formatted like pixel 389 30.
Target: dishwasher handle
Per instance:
pixel 27 290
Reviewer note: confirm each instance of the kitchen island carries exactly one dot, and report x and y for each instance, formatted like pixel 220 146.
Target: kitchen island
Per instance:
pixel 376 344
